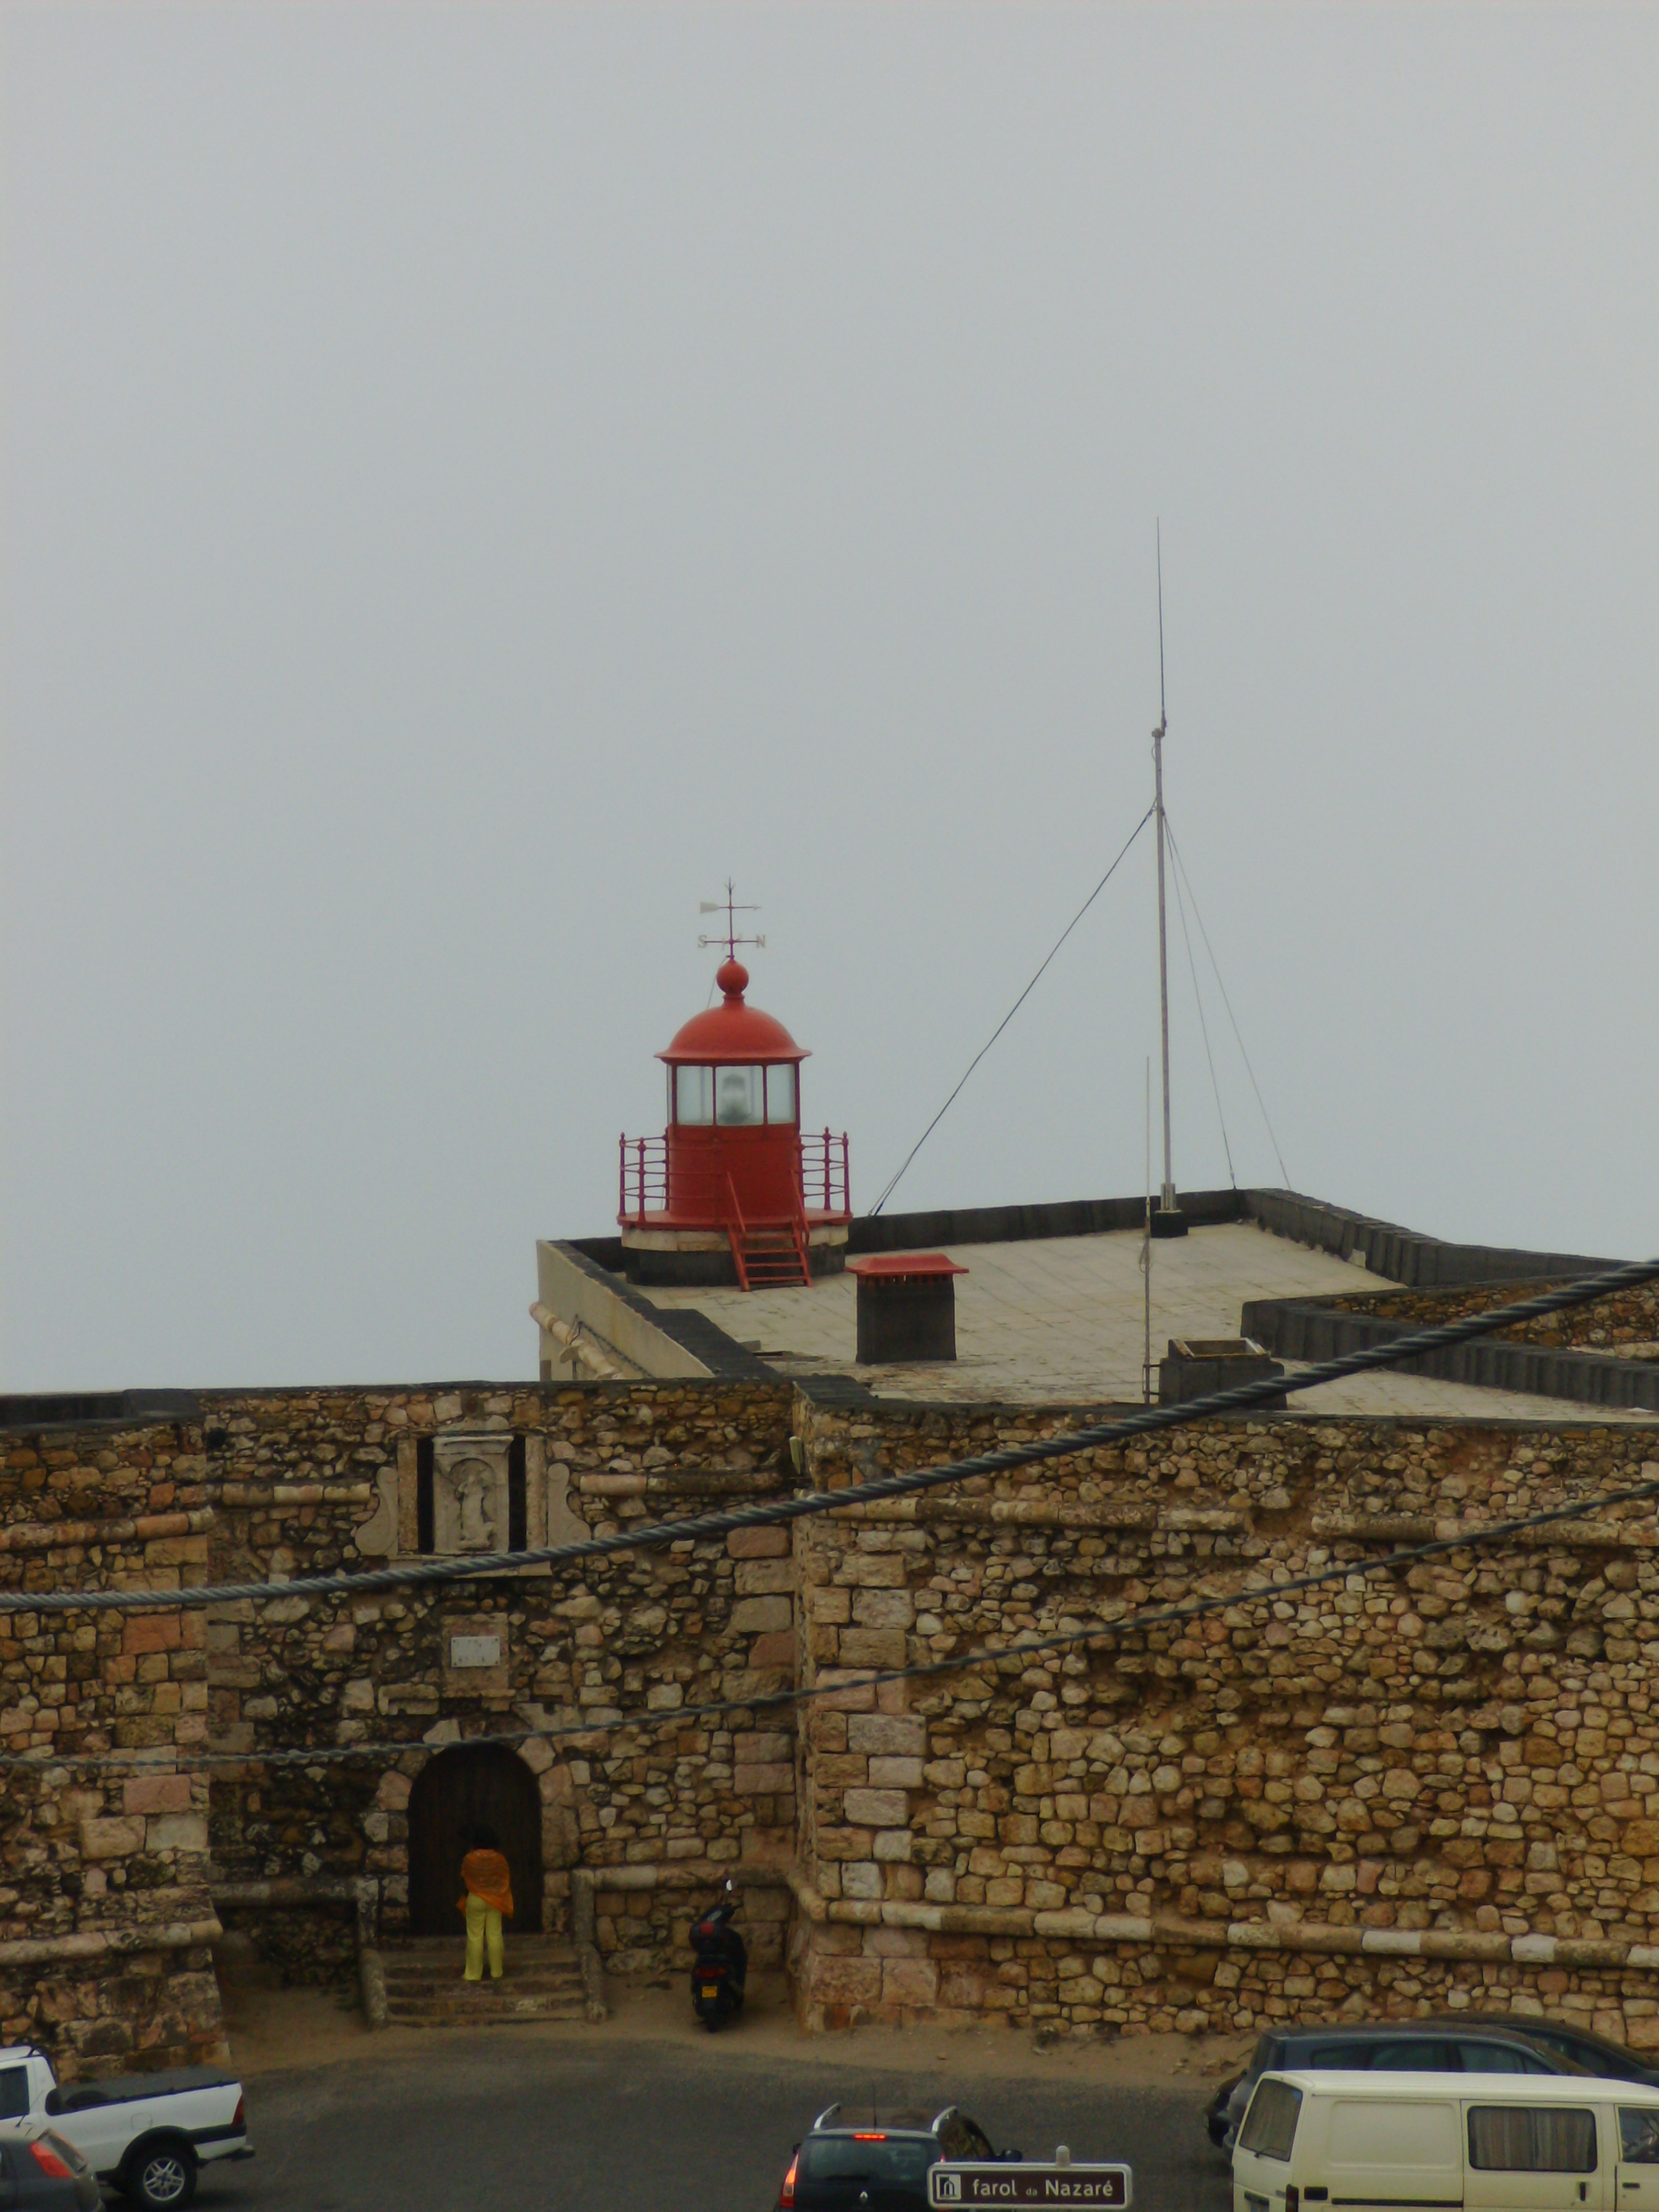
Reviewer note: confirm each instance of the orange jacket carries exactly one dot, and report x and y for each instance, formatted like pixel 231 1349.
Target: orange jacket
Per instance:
pixel 487 1876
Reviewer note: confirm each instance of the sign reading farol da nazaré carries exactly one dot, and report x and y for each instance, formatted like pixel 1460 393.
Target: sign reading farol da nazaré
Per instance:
pixel 1103 2185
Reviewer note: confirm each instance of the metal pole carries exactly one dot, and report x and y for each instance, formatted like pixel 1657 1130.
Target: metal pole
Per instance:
pixel 1167 1197
pixel 1170 1222
pixel 1147 1257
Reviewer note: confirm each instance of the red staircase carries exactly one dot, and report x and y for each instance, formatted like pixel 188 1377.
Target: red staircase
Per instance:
pixel 768 1255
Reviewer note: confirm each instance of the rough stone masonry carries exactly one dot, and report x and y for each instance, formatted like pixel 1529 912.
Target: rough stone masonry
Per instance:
pixel 1435 1786
pixel 104 1916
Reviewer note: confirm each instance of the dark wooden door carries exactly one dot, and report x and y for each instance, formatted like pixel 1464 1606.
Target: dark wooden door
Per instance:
pixel 473 1786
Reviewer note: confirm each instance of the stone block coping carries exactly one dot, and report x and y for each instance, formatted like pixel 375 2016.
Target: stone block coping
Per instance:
pixel 1168 1931
pixel 94 1943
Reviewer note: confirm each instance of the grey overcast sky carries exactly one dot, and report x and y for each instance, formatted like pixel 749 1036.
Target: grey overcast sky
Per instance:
pixel 475 477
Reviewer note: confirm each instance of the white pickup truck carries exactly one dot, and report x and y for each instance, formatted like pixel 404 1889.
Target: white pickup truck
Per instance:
pixel 145 2133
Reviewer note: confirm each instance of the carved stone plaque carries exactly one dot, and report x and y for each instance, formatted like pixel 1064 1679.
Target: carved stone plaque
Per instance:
pixel 470 1490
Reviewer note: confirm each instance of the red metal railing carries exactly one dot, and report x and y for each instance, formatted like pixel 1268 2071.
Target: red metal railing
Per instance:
pixel 825 1184
pixel 644 1187
pixel 642 1182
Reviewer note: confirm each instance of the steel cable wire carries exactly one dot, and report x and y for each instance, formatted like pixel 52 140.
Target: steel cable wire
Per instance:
pixel 893 1183
pixel 1240 1397
pixel 996 1657
pixel 1238 1035
pixel 1203 1025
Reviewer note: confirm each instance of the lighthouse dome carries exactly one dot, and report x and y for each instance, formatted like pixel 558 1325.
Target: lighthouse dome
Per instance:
pixel 732 1031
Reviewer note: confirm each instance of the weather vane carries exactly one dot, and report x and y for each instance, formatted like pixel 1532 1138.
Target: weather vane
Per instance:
pixel 728 906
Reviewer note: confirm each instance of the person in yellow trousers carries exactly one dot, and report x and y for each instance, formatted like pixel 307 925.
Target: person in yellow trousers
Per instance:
pixel 487 1898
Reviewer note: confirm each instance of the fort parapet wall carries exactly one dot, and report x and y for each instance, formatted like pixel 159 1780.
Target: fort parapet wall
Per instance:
pixel 328 1480
pixel 1435 1786
pixel 1625 1324
pixel 105 1913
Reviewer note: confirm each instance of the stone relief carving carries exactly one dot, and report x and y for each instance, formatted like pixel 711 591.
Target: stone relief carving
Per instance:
pixel 469 1490
pixel 377 1539
pixel 474 1496
pixel 564 1524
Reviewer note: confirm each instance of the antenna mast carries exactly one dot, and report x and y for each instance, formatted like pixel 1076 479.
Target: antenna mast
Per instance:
pixel 1146 1256
pixel 1168 1220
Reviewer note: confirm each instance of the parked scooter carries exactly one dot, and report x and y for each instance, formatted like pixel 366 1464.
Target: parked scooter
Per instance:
pixel 720 1963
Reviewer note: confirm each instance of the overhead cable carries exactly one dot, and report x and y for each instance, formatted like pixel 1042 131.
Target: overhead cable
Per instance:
pixel 893 1185
pixel 1204 1028
pixel 1237 1033
pixel 994 1656
pixel 1148 1420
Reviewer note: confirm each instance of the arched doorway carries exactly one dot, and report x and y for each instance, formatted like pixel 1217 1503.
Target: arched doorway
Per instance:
pixel 472 1786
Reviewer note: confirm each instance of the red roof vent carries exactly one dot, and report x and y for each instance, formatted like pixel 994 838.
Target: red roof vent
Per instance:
pixel 907 1306
pixel 904 1267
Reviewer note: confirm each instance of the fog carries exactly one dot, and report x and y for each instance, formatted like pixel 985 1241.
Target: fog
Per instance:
pixel 474 479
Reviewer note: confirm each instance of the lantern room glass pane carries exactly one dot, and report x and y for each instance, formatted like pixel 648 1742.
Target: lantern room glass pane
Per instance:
pixel 694 1096
pixel 780 1093
pixel 738 1096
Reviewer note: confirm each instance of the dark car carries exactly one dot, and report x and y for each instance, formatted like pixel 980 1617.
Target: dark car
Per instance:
pixel 856 2159
pixel 1596 2054
pixel 40 2171
pixel 1396 2046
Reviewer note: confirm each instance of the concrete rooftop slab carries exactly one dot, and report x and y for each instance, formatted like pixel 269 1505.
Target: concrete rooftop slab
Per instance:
pixel 1049 1320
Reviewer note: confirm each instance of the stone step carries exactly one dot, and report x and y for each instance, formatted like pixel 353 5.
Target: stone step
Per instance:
pixel 495 1994
pixel 435 1947
pixel 513 1985
pixel 442 1961
pixel 521 1978
pixel 438 1953
pixel 518 1970
pixel 502 2012
pixel 425 1988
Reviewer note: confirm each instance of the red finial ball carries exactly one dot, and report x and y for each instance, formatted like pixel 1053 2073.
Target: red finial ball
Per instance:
pixel 734 979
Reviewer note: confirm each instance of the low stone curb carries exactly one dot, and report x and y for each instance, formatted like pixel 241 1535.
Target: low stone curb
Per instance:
pixel 1167 1931
pixel 104 1944
pixel 585 1936
pixel 1293 1329
pixel 683 1874
pixel 296 1893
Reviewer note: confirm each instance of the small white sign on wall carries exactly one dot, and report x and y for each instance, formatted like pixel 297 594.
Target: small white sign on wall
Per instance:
pixel 475 1650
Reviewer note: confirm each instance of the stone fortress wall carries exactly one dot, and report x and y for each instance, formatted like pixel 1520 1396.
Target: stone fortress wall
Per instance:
pixel 327 1480
pixel 1438 1785
pixel 104 1914
pixel 1626 1324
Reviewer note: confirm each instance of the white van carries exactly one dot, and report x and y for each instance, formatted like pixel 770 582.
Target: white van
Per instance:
pixel 1439 2143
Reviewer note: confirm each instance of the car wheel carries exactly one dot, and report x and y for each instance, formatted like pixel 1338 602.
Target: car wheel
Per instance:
pixel 161 2177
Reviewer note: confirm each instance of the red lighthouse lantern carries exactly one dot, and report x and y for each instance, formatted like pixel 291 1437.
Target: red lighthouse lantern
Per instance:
pixel 733 1191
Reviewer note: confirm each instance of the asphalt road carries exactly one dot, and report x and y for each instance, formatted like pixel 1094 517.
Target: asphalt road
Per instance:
pixel 492 2123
